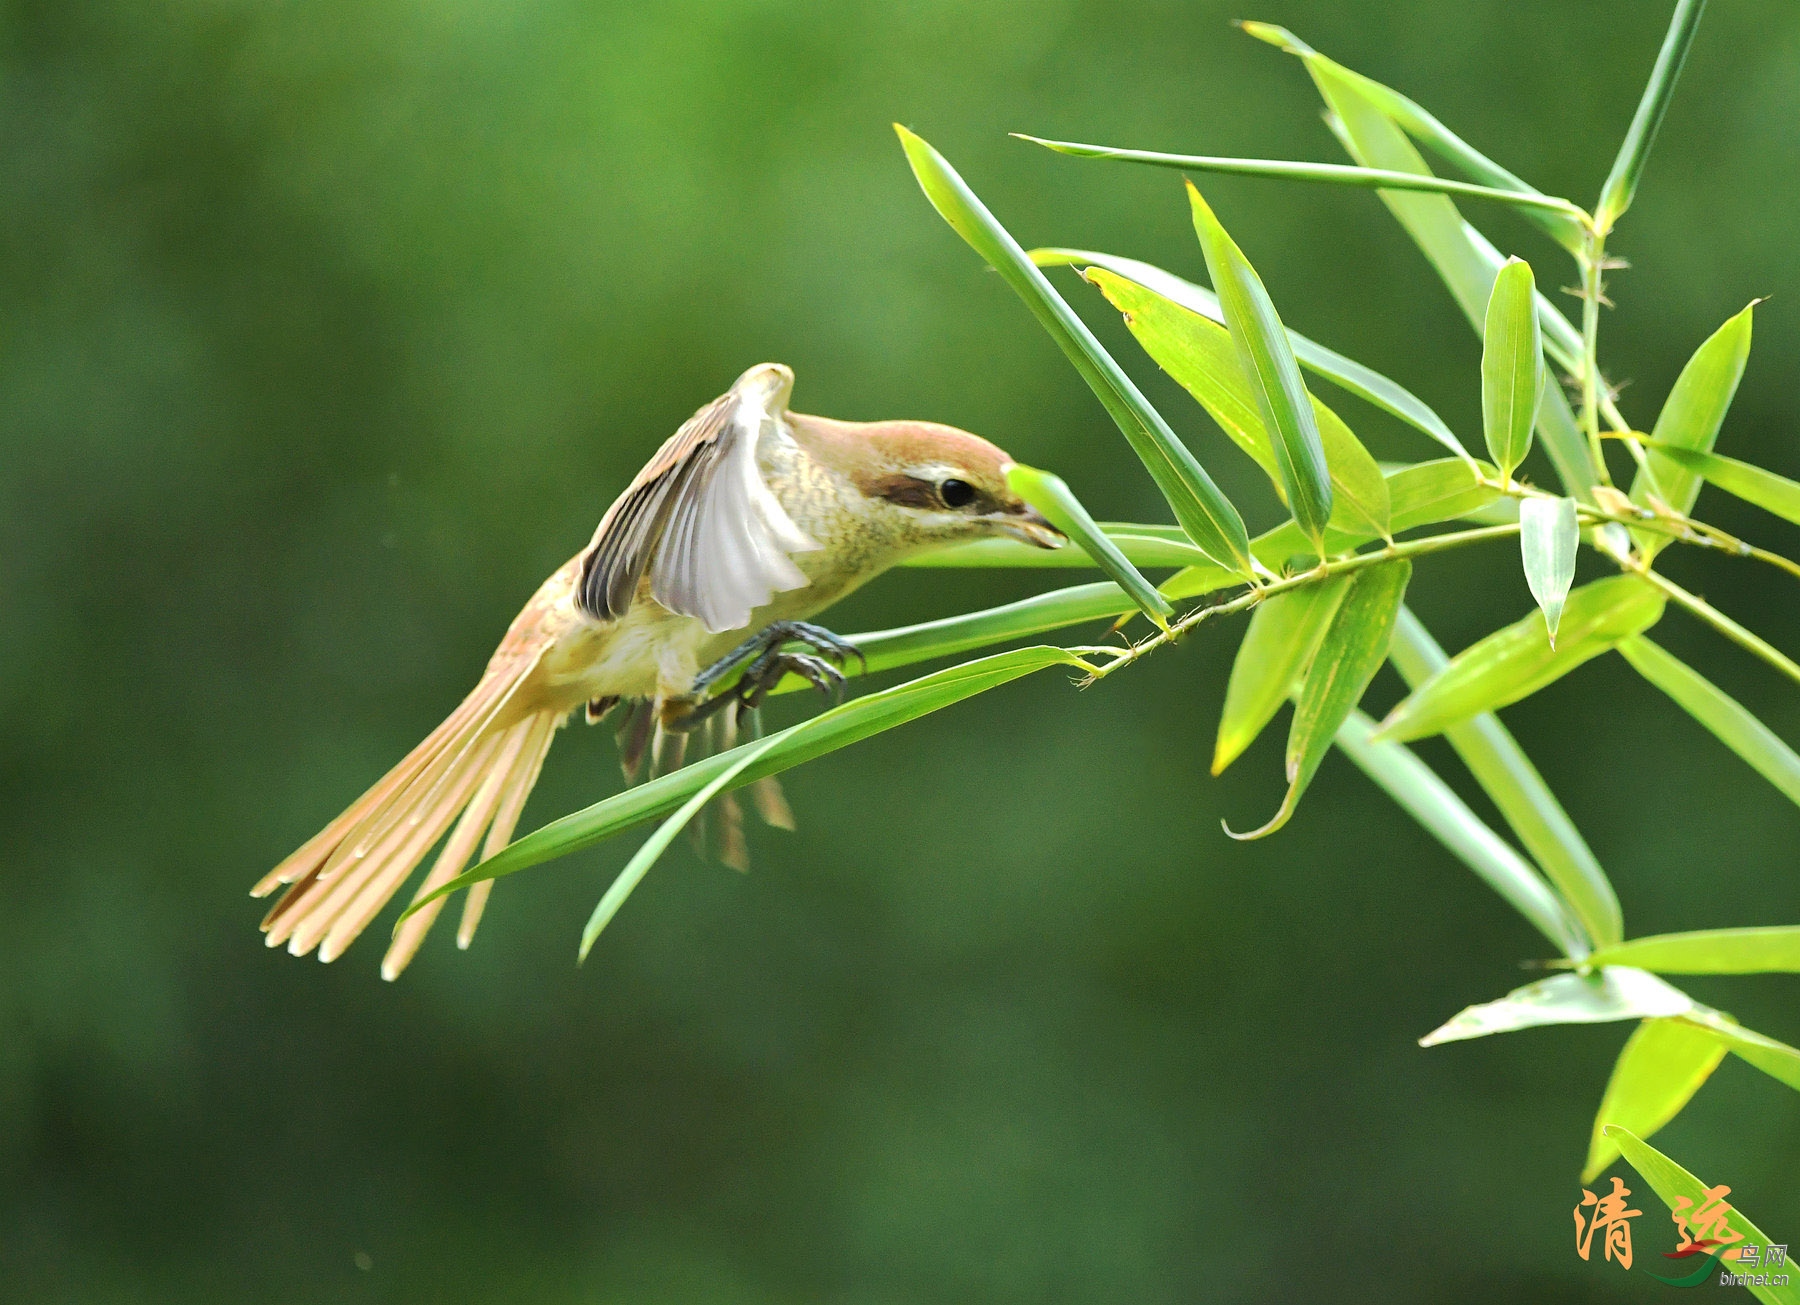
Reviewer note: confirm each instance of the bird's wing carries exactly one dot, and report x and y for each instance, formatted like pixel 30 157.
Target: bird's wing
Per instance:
pixel 700 520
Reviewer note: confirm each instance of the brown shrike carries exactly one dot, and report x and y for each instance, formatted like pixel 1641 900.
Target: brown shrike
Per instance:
pixel 748 520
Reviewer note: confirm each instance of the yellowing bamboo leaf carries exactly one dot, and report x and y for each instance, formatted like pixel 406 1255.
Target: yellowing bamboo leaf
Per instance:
pixel 1200 354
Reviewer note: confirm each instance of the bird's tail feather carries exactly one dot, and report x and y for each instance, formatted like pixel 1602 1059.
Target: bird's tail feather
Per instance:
pixel 475 770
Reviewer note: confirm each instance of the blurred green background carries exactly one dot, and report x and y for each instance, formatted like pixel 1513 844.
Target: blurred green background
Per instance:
pixel 326 330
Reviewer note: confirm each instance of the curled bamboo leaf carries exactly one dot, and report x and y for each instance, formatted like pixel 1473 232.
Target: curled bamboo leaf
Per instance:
pixel 1517 661
pixel 658 843
pixel 1351 651
pixel 1269 365
pixel 1730 721
pixel 1512 366
pixel 1203 511
pixel 1621 182
pixel 1615 993
pixel 1548 538
pixel 1690 420
pixel 1444 815
pixel 1514 785
pixel 1204 358
pixel 826 732
pixel 1364 382
pixel 1764 950
pixel 1764 489
pixel 1284 633
pixel 1298 170
pixel 1664 1062
pixel 1052 496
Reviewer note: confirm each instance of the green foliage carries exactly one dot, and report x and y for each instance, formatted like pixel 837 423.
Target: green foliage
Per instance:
pixel 1325 590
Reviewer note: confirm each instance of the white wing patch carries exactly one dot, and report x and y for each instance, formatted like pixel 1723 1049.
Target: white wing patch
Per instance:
pixel 724 550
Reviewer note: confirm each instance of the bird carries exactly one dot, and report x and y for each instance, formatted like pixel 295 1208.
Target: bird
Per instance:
pixel 748 520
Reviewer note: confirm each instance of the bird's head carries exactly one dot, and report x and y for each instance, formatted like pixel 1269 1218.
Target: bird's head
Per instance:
pixel 923 483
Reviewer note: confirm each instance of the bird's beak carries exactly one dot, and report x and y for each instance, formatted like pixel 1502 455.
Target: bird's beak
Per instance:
pixel 1028 524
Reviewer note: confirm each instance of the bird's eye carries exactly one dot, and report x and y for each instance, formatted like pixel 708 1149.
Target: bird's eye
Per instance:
pixel 956 493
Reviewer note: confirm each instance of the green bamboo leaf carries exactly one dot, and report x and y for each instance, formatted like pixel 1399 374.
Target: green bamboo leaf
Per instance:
pixel 1767 950
pixel 1435 805
pixel 1465 260
pixel 1621 182
pixel 658 843
pixel 1204 358
pixel 1680 1190
pixel 1278 646
pixel 1512 366
pixel 826 732
pixel 1422 126
pixel 1351 651
pixel 1729 720
pixel 1507 776
pixel 1690 419
pixel 1548 537
pixel 1764 489
pixel 1615 993
pixel 1206 514
pixel 1269 365
pixel 1337 174
pixel 1366 383
pixel 1052 496
pixel 1517 661
pixel 1776 1059
pixel 1665 1061
pixel 1143 546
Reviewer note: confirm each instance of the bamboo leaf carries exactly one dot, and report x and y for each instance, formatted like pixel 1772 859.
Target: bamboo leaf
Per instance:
pixel 1517 661
pixel 1507 776
pixel 1765 950
pixel 826 732
pixel 1366 383
pixel 1776 1059
pixel 950 636
pixel 1690 419
pixel 1621 182
pixel 1764 489
pixel 1142 546
pixel 1615 993
pixel 658 843
pixel 1680 1190
pixel 1337 174
pixel 1665 1061
pixel 1052 496
pixel 1465 260
pixel 1206 514
pixel 1548 537
pixel 1278 646
pixel 1202 356
pixel 1422 126
pixel 1730 721
pixel 1512 366
pixel 1435 805
pixel 1351 651
pixel 1269 365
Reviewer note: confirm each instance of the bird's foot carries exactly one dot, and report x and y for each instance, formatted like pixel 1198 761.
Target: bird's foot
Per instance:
pixel 765 664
